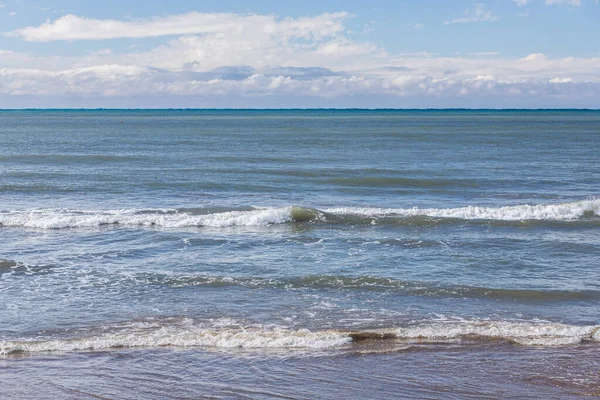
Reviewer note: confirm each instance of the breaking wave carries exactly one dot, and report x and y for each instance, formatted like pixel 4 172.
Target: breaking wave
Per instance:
pixel 63 218
pixel 543 212
pixel 188 334
pixel 522 333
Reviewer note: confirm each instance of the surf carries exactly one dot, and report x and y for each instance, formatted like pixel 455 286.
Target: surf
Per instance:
pixel 186 333
pixel 585 210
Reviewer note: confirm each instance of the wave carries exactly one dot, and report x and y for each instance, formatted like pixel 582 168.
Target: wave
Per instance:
pixel 63 218
pixel 401 183
pixel 370 284
pixel 186 333
pixel 10 267
pixel 523 333
pixel 543 212
pixel 327 282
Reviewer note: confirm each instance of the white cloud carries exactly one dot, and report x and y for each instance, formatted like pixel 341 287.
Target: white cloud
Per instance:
pixel 570 2
pixel 477 14
pixel 561 80
pixel 418 26
pixel 101 52
pixel 535 57
pixel 294 59
pixel 521 3
pixel 434 78
pixel 255 48
pixel 72 27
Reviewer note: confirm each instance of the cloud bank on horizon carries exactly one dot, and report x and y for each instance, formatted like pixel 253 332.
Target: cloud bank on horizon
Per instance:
pixel 235 59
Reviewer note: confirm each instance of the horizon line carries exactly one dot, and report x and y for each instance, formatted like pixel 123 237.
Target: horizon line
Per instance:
pixel 294 109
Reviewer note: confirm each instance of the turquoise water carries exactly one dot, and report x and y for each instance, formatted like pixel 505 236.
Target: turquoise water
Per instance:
pixel 300 254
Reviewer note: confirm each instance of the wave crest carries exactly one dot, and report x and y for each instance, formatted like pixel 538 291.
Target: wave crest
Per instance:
pixel 188 334
pixel 63 218
pixel 57 219
pixel 543 212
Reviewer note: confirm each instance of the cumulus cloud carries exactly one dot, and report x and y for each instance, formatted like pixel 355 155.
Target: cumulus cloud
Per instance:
pixel 477 14
pixel 207 41
pixel 415 77
pixel 561 80
pixel 255 48
pixel 291 59
pixel 72 27
pixel 535 57
pixel 119 82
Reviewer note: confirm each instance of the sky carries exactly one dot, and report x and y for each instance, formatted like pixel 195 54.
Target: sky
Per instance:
pixel 300 54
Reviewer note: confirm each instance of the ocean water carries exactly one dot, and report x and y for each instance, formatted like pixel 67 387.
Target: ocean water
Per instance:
pixel 299 254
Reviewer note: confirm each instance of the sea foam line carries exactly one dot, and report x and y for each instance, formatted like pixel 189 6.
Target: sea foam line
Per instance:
pixel 529 334
pixel 187 335
pixel 546 212
pixel 57 219
pixel 62 218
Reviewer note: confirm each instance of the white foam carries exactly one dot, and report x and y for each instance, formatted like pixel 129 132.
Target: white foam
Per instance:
pixel 63 218
pixel 60 218
pixel 525 333
pixel 548 212
pixel 227 334
pixel 255 338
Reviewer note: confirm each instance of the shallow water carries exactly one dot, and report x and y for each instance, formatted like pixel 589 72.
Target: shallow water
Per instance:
pixel 299 254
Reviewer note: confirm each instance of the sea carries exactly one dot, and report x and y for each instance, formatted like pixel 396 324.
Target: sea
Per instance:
pixel 299 254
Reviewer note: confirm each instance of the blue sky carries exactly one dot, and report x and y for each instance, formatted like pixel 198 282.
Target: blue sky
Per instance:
pixel 182 53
